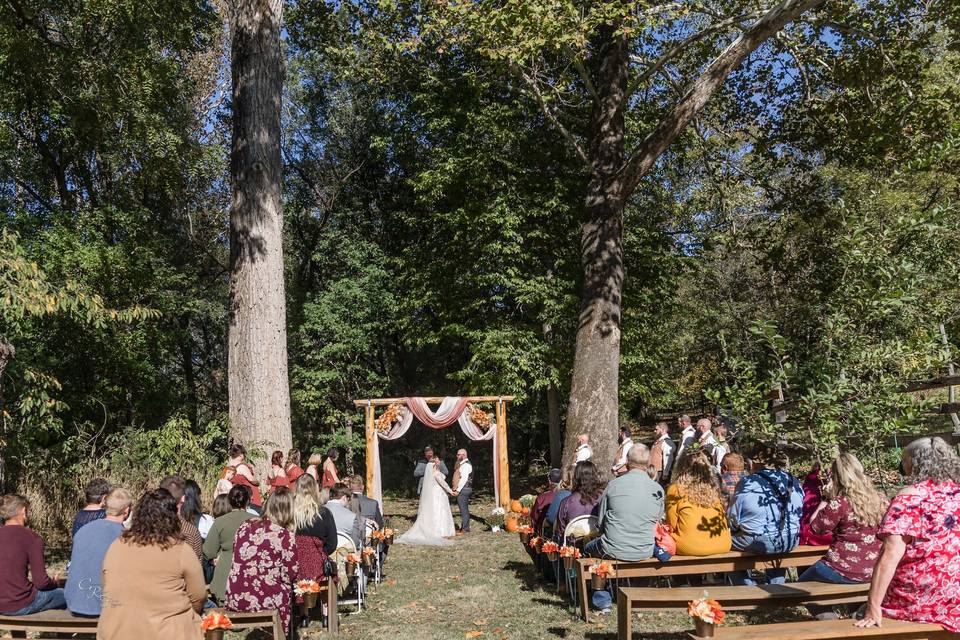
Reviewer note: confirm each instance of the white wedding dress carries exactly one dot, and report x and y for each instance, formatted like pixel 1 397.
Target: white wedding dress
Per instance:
pixel 434 522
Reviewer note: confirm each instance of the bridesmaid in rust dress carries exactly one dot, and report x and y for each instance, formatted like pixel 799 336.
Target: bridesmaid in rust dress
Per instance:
pixel 330 476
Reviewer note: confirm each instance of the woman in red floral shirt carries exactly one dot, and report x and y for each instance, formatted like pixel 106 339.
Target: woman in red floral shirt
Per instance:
pixel 850 513
pixel 917 577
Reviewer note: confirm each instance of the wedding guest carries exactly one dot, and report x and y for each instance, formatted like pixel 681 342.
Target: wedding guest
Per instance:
pixel 192 508
pixel 688 435
pixel 917 573
pixel 94 495
pixel 347 522
pixel 705 437
pixel 583 498
pixel 21 550
pixel 365 507
pixel 732 471
pixel 313 464
pixel 662 453
pixel 540 506
pixel 764 513
pixel 244 474
pixel 812 499
pixel 292 465
pixel 225 483
pixel 563 491
pixel 583 452
pixel 83 588
pixel 330 475
pixel 221 507
pixel 277 476
pixel 421 469
pixel 176 486
pixel 153 587
pixel 626 524
pixel 315 532
pixel 695 507
pixel 218 547
pixel 265 561
pixel 720 446
pixel 624 441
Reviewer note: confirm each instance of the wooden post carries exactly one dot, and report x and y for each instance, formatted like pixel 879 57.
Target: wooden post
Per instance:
pixel 503 465
pixel 369 432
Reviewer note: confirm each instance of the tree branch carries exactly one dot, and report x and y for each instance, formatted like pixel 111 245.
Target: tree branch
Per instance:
pixel 703 88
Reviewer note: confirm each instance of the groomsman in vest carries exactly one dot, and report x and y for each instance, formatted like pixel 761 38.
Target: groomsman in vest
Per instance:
pixel 620 464
pixel 661 453
pixel 463 488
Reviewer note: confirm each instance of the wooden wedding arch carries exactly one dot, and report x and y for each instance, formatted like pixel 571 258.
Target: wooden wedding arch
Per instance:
pixel 500 458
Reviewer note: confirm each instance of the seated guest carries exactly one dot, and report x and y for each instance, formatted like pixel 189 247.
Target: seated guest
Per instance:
pixel 812 498
pixel 764 513
pixel 695 508
pixel 315 532
pixel 917 573
pixel 563 490
pixel 265 561
pixel 176 487
pixel 292 465
pixel 627 523
pixel 225 483
pixel 731 473
pixel 540 506
pixel 277 475
pixel 221 507
pixel 152 583
pixel 367 508
pixel 347 521
pixel 94 495
pixel 192 508
pixel 21 550
pixel 583 498
pixel 218 547
pixel 83 589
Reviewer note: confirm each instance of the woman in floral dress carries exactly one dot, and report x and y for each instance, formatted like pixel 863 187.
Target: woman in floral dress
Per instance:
pixel 265 560
pixel 917 577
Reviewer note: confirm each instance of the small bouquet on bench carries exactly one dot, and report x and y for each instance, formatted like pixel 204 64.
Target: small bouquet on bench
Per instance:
pixel 535 543
pixel 214 624
pixel 388 534
pixel 351 562
pixel 367 555
pixel 550 548
pixel 706 613
pixel 309 590
pixel 569 555
pixel 526 532
pixel 599 573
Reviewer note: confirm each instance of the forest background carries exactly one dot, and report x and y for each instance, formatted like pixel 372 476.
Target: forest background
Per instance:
pixel 803 232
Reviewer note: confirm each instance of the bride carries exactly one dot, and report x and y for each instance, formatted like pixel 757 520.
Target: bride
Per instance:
pixel 434 520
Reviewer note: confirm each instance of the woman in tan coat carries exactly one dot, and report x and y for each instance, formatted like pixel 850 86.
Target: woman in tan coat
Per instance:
pixel 153 586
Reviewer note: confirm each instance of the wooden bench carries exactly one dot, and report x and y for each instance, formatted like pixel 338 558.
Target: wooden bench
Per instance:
pixel 63 622
pixel 831 630
pixel 746 598
pixel 802 556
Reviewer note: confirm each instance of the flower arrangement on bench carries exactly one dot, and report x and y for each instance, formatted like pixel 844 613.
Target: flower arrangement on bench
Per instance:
pixel 308 590
pixel 569 554
pixel 214 624
pixel 550 548
pixel 351 563
pixel 599 573
pixel 706 613
pixel 367 555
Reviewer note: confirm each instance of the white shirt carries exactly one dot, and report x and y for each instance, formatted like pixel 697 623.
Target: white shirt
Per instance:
pixel 465 470
pixel 206 521
pixel 625 447
pixel 689 434
pixel 583 453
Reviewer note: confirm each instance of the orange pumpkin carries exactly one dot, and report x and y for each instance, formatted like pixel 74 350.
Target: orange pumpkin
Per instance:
pixel 526 511
pixel 516 506
pixel 511 523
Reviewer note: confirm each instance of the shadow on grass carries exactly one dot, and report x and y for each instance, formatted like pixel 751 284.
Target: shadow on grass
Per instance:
pixel 526 574
pixel 612 635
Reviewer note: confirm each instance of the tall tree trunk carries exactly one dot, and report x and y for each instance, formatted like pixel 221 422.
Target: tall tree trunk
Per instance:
pixel 258 385
pixel 594 403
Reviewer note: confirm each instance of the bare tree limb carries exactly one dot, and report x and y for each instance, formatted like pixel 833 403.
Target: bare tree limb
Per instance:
pixel 703 88
pixel 584 75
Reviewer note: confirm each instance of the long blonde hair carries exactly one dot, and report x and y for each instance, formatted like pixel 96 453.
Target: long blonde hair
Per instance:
pixel 850 481
pixel 694 476
pixel 306 501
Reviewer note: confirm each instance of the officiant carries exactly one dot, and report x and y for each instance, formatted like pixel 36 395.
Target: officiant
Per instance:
pixel 421 467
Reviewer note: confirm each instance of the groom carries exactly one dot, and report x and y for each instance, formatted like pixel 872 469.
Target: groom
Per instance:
pixel 463 488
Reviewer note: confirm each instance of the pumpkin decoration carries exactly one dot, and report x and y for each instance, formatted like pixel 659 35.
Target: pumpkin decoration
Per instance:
pixel 515 506
pixel 511 522
pixel 526 511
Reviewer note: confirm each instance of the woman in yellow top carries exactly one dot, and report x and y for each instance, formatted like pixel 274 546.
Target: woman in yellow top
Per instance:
pixel 695 508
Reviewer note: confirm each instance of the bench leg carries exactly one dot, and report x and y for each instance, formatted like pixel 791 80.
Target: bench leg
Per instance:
pixel 584 596
pixel 18 634
pixel 333 616
pixel 278 633
pixel 624 616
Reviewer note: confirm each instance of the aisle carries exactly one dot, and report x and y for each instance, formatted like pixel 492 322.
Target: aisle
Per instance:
pixel 481 587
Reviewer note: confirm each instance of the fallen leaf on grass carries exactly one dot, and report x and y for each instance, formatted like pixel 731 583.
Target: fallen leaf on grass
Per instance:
pixel 473 634
pixel 480 623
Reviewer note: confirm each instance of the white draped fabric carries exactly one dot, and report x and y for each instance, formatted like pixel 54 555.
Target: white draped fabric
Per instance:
pixel 444 414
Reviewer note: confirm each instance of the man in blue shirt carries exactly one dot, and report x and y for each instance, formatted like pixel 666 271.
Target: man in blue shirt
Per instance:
pixel 84 592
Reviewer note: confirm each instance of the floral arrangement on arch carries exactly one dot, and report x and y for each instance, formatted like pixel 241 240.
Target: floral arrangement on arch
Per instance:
pixel 706 609
pixel 215 620
pixel 480 417
pixel 390 417
pixel 306 586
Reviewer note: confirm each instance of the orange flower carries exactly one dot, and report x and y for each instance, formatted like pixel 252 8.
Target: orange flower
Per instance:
pixel 707 609
pixel 352 558
pixel 527 529
pixel 215 620
pixel 602 569
pixel 534 542
pixel 367 551
pixel 306 586
pixel 569 552
pixel 550 547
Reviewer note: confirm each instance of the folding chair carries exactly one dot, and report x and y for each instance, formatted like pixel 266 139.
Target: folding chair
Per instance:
pixel 345 546
pixel 377 546
pixel 581 529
